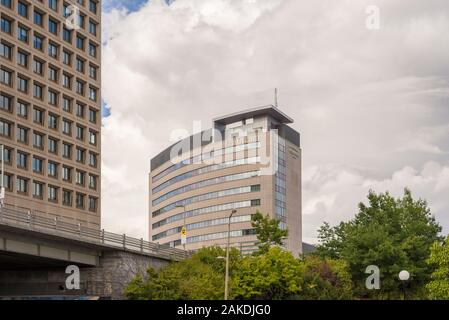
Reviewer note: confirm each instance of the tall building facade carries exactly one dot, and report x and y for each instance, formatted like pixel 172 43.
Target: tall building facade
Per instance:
pixel 50 107
pixel 248 162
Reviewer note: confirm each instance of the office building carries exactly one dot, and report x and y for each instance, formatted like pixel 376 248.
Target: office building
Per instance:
pixel 248 161
pixel 50 119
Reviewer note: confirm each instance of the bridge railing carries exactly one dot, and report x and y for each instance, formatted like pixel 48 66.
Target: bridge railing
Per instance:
pixel 30 221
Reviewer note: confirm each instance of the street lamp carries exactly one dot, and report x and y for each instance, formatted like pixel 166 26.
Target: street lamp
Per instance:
pixel 2 187
pixel 185 227
pixel 404 276
pixel 227 256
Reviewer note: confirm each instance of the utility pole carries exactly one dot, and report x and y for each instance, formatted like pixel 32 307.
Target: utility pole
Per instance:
pixel 227 256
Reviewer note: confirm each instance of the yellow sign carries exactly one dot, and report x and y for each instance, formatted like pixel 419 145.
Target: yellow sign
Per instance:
pixel 183 231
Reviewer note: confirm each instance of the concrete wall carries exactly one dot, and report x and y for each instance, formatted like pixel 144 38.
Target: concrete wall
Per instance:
pixel 115 270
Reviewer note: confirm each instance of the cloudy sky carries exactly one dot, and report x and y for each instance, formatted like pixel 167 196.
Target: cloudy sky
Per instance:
pixel 372 105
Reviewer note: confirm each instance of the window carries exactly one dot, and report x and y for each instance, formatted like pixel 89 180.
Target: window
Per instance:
pixel 53 50
pixel 92 137
pixel 37 165
pixel 38 116
pixel 38 189
pixel 67 58
pixel 80 177
pixel 7 3
pixel 92 182
pixel 52 194
pixel 67 104
pixel 22 134
pixel 66 127
pixel 21 185
pixel 66 174
pixel 93 204
pixel 80 155
pixel 80 87
pixel 38 42
pixel 66 150
pixel 5 25
pixel 53 4
pixel 52 98
pixel 22 109
pixel 22 59
pixel 7 181
pixel 52 169
pixel 22 9
pixel 93 6
pixel 67 81
pixel 5 128
pixel 92 115
pixel 22 34
pixel 80 200
pixel 92 94
pixel 67 197
pixel 53 26
pixel 79 65
pixel 80 42
pixel 67 35
pixel 92 50
pixel 92 27
pixel 93 72
pixel 38 18
pixel 79 110
pixel 38 140
pixel 21 160
pixel 7 155
pixel 79 132
pixel 5 102
pixel 52 121
pixel 92 159
pixel 22 84
pixel 38 67
pixel 6 77
pixel 5 51
pixel 52 74
pixel 52 145
pixel 38 91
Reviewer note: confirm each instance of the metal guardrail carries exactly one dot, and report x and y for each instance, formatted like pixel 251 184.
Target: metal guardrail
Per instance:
pixel 30 221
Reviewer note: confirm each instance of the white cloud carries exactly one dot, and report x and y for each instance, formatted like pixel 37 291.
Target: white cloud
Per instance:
pixel 366 102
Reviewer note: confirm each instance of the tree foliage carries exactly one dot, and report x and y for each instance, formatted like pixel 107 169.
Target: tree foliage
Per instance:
pixel 268 231
pixel 393 234
pixel 438 287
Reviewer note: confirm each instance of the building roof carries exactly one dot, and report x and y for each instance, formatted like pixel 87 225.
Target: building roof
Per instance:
pixel 254 112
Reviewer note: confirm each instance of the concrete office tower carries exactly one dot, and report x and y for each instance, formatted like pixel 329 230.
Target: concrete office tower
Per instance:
pixel 249 161
pixel 50 115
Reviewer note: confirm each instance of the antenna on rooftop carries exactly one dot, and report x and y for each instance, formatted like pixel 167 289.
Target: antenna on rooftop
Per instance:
pixel 275 97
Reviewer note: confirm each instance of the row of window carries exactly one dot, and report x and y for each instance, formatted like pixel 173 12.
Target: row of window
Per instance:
pixel 54 169
pixel 206 169
pixel 207 196
pixel 206 156
pixel 214 236
pixel 38 114
pixel 54 98
pixel 22 186
pixel 207 182
pixel 52 4
pixel 206 210
pixel 22 135
pixel 202 224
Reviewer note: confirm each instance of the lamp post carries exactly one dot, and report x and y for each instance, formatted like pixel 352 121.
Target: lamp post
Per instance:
pixel 2 186
pixel 183 206
pixel 227 256
pixel 404 276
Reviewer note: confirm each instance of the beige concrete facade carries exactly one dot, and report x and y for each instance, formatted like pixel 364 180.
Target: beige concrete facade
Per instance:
pixel 50 112
pixel 196 191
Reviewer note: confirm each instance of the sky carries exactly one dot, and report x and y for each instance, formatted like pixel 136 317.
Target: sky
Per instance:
pixel 371 104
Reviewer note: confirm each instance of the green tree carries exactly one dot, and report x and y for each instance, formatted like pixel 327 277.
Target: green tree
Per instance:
pixel 438 287
pixel 200 277
pixel 393 234
pixel 268 231
pixel 273 275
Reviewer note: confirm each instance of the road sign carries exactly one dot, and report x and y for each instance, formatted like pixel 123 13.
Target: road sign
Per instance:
pixel 183 235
